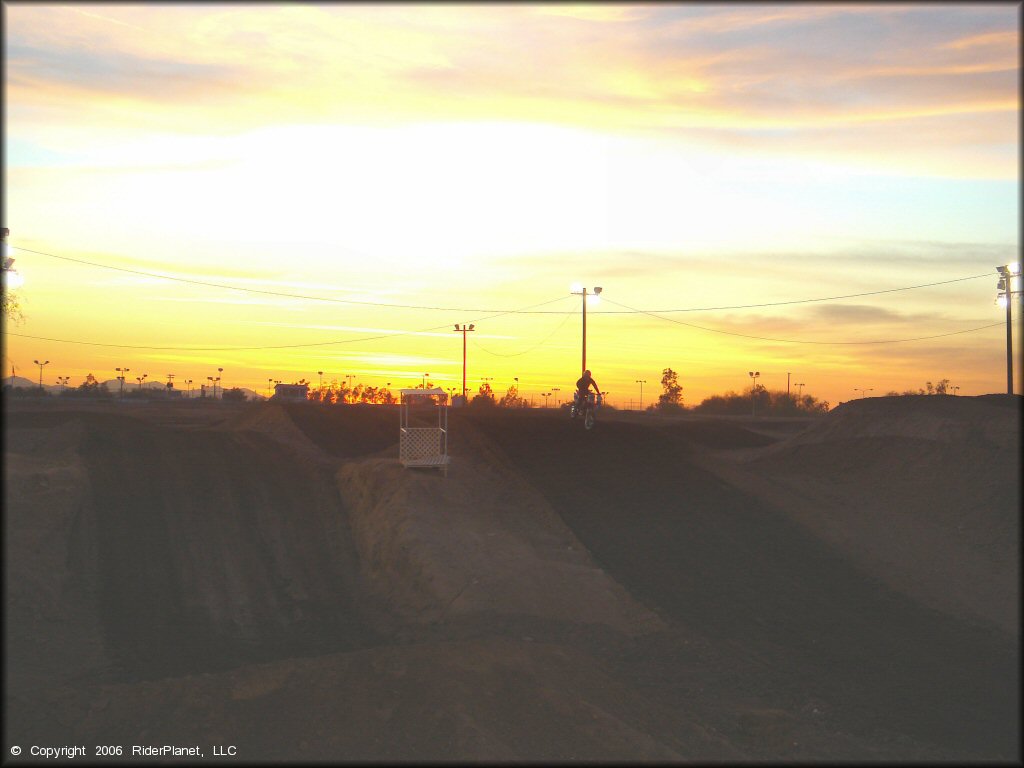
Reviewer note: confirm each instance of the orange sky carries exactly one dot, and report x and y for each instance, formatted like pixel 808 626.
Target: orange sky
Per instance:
pixel 421 166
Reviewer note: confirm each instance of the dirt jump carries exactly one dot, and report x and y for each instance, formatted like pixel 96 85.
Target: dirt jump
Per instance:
pixel 269 577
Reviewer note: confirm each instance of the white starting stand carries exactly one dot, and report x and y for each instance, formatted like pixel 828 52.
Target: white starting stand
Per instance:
pixel 423 446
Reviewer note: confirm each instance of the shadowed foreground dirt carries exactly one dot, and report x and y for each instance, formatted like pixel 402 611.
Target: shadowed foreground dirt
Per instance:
pixel 654 590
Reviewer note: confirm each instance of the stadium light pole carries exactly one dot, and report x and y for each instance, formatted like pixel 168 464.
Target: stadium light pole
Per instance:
pixel 641 382
pixel 463 329
pixel 1006 275
pixel 579 290
pixel 47 362
pixel 753 393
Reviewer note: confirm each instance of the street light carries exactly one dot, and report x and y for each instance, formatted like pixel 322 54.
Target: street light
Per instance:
pixel 753 392
pixel 464 329
pixel 1006 275
pixel 321 375
pixel 140 379
pixel 641 382
pixel 121 377
pixel 424 382
pixel 47 362
pixel 220 371
pixel 955 389
pixel 188 388
pixel 11 278
pixel 62 380
pixel 556 389
pixel 579 290
pixel 863 391
pixel 800 393
pixel 545 395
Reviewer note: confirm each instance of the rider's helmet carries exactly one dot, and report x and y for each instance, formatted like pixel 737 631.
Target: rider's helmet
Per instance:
pixel 586 373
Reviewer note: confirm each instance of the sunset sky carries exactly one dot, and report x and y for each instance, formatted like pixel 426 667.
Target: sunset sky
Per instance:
pixel 397 169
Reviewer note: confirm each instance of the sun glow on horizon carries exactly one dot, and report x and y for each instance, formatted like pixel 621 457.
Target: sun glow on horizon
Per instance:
pixel 435 165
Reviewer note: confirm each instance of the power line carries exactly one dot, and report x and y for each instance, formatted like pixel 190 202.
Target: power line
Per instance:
pixel 280 346
pixel 285 294
pixel 800 341
pixel 208 284
pixel 539 343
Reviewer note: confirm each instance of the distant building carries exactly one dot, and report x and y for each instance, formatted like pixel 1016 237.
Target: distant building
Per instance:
pixel 293 393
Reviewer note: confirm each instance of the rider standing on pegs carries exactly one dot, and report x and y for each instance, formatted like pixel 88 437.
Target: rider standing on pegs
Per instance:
pixel 582 386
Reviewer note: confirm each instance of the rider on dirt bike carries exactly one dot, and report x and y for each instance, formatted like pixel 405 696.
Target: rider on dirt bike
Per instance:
pixel 582 388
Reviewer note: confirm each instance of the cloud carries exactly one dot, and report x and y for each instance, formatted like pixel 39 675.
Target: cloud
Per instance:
pixel 596 13
pixel 858 314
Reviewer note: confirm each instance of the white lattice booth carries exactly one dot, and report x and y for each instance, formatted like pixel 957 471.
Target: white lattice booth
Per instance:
pixel 423 437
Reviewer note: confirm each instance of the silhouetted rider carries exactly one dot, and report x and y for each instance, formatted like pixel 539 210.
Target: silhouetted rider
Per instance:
pixel 583 385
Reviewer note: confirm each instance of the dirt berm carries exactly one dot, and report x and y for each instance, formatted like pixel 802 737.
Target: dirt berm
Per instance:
pixel 654 590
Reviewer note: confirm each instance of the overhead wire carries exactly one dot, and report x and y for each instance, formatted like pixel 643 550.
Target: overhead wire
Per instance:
pixel 282 294
pixel 531 309
pixel 543 341
pixel 285 294
pixel 277 346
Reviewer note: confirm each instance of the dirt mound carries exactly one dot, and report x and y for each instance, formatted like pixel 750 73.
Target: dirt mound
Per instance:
pixel 194 548
pixel 347 431
pixel 922 492
pixel 480 541
pixel 50 569
pixel 713 554
pixel 993 419
pixel 271 577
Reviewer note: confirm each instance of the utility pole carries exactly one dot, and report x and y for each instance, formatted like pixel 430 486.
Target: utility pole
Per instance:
pixel 581 291
pixel 787 383
pixel 463 329
pixel 641 382
pixel 1006 274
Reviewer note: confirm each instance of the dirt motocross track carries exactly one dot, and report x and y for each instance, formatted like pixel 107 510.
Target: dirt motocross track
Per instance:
pixel 270 577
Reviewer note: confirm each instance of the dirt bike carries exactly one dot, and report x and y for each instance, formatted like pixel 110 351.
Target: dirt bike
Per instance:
pixel 589 405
